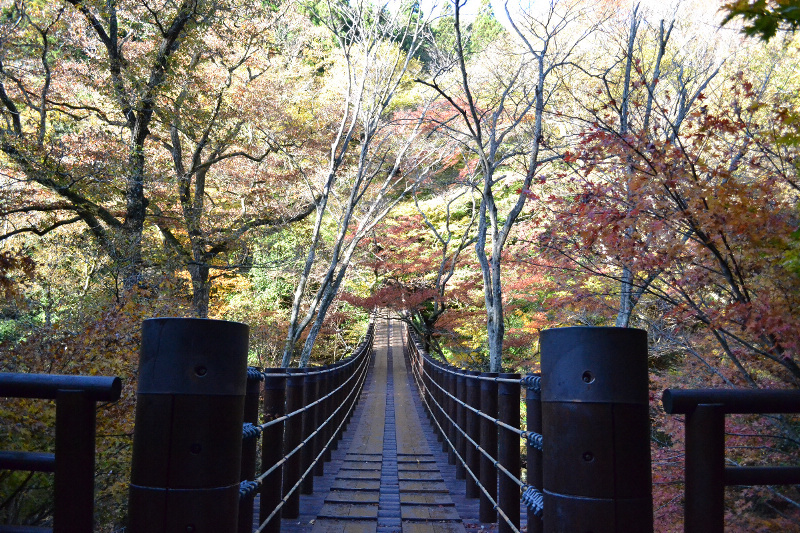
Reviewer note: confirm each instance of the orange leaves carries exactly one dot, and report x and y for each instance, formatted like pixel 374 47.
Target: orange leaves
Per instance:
pixel 15 268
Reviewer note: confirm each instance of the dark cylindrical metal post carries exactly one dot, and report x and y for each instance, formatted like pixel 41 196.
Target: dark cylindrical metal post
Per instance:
pixel 74 472
pixel 272 447
pixel 704 507
pixel 187 441
pixel 293 435
pixel 474 431
pixel 595 415
pixel 488 475
pixel 533 404
pixel 249 448
pixel 426 369
pixel 461 419
pixel 336 374
pixel 326 411
pixel 310 394
pixel 508 411
pixel 450 386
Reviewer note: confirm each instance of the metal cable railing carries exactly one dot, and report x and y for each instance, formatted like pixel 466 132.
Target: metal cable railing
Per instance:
pixel 266 521
pixel 463 462
pixel 306 412
pixel 250 428
pixel 469 432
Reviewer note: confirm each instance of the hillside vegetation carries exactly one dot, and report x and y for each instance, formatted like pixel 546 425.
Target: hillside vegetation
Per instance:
pixel 487 173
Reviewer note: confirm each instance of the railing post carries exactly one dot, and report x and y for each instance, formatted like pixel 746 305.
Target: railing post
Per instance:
pixel 474 431
pixel 461 418
pixel 310 394
pixel 427 369
pixel 436 375
pixel 508 451
pixel 272 447
pixel 187 439
pixel 336 372
pixel 533 405
pixel 293 435
pixel 74 471
pixel 419 361
pixel 488 476
pixel 249 448
pixel 320 414
pixel 441 379
pixel 596 423
pixel 450 387
pixel 704 507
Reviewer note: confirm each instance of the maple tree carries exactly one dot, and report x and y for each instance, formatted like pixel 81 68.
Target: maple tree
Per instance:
pixel 764 18
pixel 172 80
pixel 371 164
pixel 498 115
pixel 418 266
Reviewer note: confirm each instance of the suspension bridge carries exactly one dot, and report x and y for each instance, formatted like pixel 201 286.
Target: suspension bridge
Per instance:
pixel 388 474
pixel 388 439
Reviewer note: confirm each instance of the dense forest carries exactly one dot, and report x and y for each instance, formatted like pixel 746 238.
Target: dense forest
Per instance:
pixel 488 170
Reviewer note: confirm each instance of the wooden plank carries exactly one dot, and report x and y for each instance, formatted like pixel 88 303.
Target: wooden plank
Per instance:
pixel 360 511
pixel 425 475
pixel 428 527
pixel 354 496
pixel 434 498
pixel 423 486
pixel 429 512
pixel 336 526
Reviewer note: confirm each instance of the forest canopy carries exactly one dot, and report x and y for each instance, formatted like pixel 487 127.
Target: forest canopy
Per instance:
pixel 487 170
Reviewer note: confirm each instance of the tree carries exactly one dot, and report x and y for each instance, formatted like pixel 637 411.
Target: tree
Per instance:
pixel 368 183
pixel 417 254
pixel 706 211
pixel 687 85
pixel 44 57
pixel 764 18
pixel 177 79
pixel 498 116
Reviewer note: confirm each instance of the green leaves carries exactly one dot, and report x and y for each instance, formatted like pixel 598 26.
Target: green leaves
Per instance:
pixel 764 18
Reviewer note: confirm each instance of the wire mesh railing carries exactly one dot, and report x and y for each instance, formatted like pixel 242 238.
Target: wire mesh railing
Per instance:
pixel 200 414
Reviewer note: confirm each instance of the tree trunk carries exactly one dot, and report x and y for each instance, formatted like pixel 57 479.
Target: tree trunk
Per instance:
pixel 133 226
pixel 625 298
pixel 200 289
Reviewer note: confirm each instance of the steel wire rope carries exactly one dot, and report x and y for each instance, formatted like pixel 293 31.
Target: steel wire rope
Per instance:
pixel 531 495
pixel 366 342
pixel 310 468
pixel 494 461
pixel 259 480
pixel 483 489
pixel 534 438
pixel 305 441
pixel 252 430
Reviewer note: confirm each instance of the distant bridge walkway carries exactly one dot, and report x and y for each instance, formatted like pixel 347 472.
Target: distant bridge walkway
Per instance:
pixel 385 476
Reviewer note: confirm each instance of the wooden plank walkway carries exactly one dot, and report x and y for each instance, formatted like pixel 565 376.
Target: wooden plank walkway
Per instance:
pixel 385 476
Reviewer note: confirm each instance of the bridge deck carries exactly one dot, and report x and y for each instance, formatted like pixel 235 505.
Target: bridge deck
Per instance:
pixel 387 474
